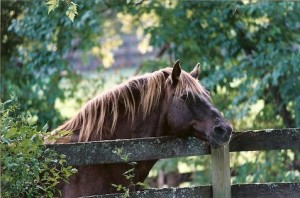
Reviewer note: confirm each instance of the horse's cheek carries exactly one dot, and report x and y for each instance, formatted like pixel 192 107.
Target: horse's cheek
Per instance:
pixel 174 121
pixel 177 118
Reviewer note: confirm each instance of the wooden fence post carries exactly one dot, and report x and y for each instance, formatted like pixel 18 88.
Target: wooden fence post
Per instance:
pixel 220 163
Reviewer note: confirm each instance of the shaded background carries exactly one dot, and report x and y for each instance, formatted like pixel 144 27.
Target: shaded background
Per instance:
pixel 249 53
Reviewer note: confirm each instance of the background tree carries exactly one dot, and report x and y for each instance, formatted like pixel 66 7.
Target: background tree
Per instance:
pixel 34 56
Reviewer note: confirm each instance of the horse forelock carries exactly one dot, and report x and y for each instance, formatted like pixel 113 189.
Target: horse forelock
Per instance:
pixel 103 110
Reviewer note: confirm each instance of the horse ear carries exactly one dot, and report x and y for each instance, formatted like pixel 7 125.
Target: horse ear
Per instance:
pixel 196 71
pixel 176 72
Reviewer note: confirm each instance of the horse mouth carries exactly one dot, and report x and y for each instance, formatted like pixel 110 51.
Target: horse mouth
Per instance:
pixel 215 144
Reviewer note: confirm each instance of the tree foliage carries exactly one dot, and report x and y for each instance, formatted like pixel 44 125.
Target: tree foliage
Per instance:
pixel 36 46
pixel 28 168
pixel 72 7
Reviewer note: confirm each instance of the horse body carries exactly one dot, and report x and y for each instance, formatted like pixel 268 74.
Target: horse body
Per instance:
pixel 167 102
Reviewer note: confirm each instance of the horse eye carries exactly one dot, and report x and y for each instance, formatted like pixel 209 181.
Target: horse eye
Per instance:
pixel 184 97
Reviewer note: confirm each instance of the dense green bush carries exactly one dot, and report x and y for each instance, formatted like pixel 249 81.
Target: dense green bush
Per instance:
pixel 28 168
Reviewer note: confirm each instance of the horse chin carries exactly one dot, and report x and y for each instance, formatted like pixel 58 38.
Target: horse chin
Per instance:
pixel 215 145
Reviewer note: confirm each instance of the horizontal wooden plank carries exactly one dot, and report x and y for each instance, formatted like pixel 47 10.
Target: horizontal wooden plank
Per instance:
pixel 189 192
pixel 266 139
pixel 167 147
pixel 269 190
pixel 137 149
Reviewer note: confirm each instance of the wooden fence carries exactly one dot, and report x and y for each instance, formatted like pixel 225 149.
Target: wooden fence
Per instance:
pixel 169 147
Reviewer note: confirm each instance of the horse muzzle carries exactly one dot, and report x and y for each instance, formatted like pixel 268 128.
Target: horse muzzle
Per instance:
pixel 221 135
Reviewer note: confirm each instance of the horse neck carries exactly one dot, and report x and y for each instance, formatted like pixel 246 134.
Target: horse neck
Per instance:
pixel 152 125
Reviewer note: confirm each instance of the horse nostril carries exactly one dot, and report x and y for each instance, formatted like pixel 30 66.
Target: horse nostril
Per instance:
pixel 220 131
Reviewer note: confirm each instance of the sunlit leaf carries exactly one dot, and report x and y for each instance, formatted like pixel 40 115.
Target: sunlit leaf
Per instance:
pixel 52 4
pixel 72 11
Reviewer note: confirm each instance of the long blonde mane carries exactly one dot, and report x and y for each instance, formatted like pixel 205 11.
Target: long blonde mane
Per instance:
pixel 104 108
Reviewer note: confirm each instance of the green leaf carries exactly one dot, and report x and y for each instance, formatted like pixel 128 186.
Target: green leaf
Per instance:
pixel 128 177
pixel 52 4
pixel 72 11
pixel 45 127
pixel 128 171
pixel 141 184
pixel 74 170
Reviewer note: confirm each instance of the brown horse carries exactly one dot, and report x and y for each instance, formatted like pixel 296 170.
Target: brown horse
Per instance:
pixel 167 102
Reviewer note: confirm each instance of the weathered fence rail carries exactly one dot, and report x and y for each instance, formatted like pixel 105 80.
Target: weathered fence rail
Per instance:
pixel 169 147
pixel 270 190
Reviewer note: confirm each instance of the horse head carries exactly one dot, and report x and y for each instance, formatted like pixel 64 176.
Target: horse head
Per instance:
pixel 190 111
